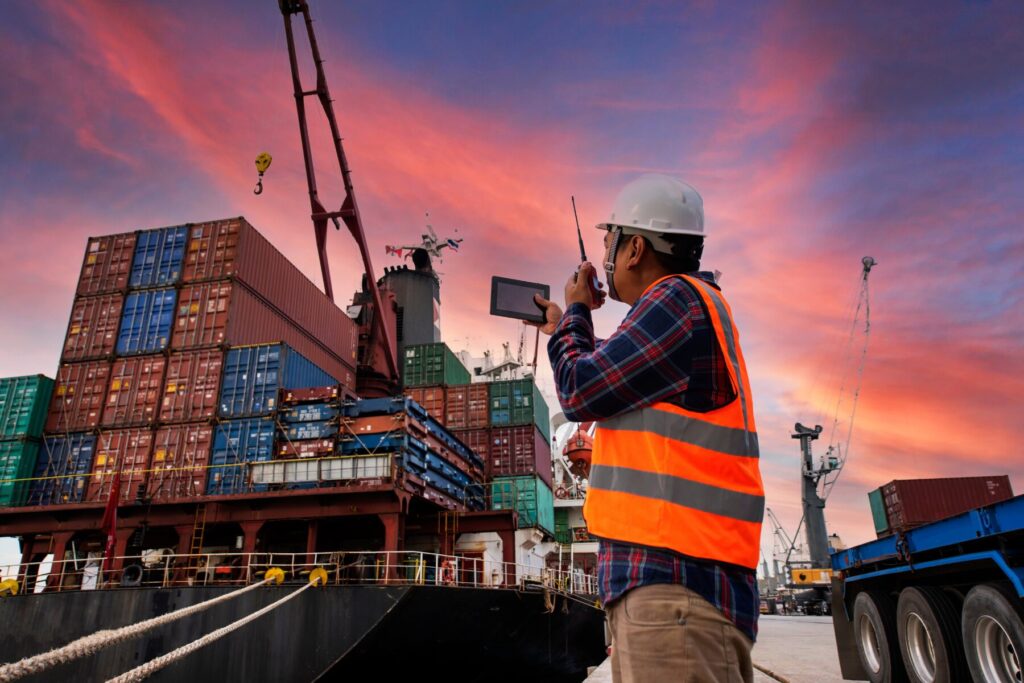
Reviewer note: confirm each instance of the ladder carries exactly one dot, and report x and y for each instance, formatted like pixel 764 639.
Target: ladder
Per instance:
pixel 198 535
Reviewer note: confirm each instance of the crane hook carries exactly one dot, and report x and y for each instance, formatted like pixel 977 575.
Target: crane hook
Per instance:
pixel 262 164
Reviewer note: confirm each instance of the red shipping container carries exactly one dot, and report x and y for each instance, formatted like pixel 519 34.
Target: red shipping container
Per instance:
pixel 78 395
pixel 307 448
pixel 92 330
pixel 468 407
pixel 519 451
pixel 432 399
pixel 478 440
pixel 191 386
pixel 913 502
pixel 136 387
pixel 179 464
pixel 127 450
pixel 231 248
pixel 228 313
pixel 107 264
pixel 311 395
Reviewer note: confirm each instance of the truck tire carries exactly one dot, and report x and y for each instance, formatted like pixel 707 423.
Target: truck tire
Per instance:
pixel 876 637
pixel 993 633
pixel 929 629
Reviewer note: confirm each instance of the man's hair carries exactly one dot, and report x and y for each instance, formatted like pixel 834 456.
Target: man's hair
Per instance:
pixel 685 256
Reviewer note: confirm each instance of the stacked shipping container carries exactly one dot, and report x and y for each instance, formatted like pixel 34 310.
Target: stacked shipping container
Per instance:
pixel 23 402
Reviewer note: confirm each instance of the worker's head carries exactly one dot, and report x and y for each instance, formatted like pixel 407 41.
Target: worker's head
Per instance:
pixel 656 229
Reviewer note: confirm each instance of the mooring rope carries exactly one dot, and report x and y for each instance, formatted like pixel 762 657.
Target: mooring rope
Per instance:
pixel 140 673
pixel 87 645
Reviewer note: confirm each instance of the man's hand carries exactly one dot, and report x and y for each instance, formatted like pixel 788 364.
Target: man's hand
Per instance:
pixel 552 314
pixel 578 291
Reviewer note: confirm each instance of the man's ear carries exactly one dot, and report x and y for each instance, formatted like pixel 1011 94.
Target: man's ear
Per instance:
pixel 637 247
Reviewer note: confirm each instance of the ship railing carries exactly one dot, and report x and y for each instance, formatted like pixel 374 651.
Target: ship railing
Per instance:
pixel 162 568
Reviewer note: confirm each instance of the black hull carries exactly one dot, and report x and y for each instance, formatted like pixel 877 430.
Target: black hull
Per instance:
pixel 335 633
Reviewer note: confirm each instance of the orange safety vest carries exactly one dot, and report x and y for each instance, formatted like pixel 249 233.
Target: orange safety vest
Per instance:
pixel 666 477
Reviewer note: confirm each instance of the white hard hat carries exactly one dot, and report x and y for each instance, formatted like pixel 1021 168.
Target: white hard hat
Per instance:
pixel 658 204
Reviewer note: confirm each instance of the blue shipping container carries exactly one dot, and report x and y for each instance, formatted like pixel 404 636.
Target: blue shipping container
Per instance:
pixel 254 374
pixel 311 412
pixel 300 431
pixel 146 322
pixel 158 257
pixel 235 443
pixel 60 459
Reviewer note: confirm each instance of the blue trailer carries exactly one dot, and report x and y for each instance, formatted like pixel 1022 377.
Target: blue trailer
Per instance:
pixel 941 603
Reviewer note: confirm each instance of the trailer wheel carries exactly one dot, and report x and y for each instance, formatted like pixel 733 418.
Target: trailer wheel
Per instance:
pixel 929 629
pixel 874 632
pixel 993 634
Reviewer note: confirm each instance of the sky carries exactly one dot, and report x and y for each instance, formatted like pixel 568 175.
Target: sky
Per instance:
pixel 817 133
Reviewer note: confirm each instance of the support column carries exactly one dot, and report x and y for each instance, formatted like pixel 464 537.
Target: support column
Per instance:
pixel 26 572
pixel 250 530
pixel 179 573
pixel 121 537
pixel 508 556
pixel 61 540
pixel 311 535
pixel 394 540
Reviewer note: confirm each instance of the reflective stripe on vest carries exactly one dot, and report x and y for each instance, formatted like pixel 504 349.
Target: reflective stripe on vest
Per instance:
pixel 666 477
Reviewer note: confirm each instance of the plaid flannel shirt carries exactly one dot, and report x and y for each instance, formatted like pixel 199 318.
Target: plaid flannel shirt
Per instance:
pixel 664 350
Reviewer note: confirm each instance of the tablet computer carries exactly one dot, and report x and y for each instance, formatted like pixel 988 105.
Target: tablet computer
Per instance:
pixel 514 299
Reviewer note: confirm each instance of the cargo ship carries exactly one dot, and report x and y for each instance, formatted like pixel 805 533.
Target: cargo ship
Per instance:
pixel 211 421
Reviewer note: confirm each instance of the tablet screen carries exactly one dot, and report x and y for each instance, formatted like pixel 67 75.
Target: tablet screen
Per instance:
pixel 514 298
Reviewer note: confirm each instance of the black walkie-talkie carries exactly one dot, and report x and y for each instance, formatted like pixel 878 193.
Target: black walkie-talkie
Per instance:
pixel 595 284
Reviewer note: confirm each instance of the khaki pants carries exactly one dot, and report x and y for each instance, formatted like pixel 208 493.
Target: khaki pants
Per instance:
pixel 669 633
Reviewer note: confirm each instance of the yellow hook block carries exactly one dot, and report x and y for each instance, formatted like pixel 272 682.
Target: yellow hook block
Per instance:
pixel 8 587
pixel 318 577
pixel 263 162
pixel 275 574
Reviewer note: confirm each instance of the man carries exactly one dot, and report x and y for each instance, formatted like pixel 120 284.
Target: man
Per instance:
pixel 675 491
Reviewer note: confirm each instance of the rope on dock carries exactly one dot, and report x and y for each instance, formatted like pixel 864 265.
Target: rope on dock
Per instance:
pixel 90 644
pixel 771 674
pixel 140 673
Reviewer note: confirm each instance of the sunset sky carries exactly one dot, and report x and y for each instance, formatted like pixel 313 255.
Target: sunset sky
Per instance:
pixel 817 135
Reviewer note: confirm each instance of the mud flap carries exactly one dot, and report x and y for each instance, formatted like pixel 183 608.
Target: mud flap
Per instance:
pixel 846 648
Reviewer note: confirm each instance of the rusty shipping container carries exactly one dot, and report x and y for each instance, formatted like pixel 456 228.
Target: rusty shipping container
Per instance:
pixel 92 330
pixel 310 448
pixel 227 313
pixel 180 457
pixel 136 387
pixel 913 502
pixel 431 399
pixel 326 394
pixel 78 397
pixel 518 451
pixel 107 264
pixel 468 407
pixel 478 440
pixel 191 386
pixel 124 450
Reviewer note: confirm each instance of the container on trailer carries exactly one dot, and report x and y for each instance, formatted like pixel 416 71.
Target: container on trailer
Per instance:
pixel 228 313
pixel 92 329
pixel 530 497
pixel 123 453
pixel 107 264
pixel 518 451
pixel 17 462
pixel 178 466
pixel 468 406
pixel 62 468
pixel 877 502
pixel 23 405
pixel 253 376
pixel 912 502
pixel 135 390
pixel 432 399
pixel 158 257
pixel 432 364
pixel 78 397
pixel 146 322
pixel 518 402
pixel 237 444
pixel 191 389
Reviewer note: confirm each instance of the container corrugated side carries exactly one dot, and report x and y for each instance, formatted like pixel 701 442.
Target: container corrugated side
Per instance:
pixel 519 402
pixel 136 387
pixel 17 461
pixel 178 466
pixel 107 264
pixel 253 376
pixel 232 248
pixel 912 502
pixel 530 496
pixel 432 364
pixel 478 440
pixel 227 313
pixel 92 330
pixel 517 451
pixel 191 390
pixel 562 532
pixel 236 443
pixel 124 450
pixel 61 469
pixel 23 405
pixel 146 322
pixel 468 406
pixel 431 399
pixel 158 257
pixel 78 397
pixel 877 502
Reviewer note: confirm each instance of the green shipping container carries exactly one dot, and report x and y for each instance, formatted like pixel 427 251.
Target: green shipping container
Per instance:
pixel 562 532
pixel 881 520
pixel 427 365
pixel 23 405
pixel 17 461
pixel 518 402
pixel 530 496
